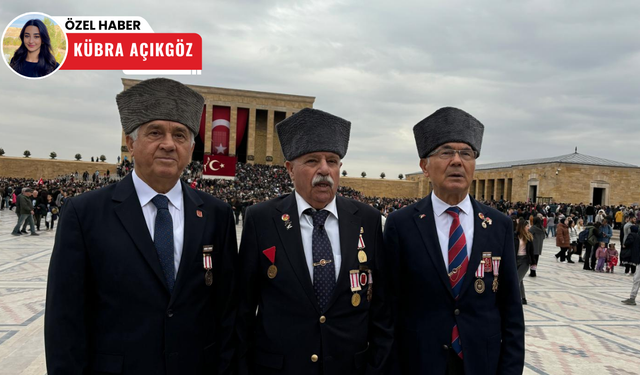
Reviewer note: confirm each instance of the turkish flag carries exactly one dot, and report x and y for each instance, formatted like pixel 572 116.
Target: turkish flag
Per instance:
pixel 220 130
pixel 219 165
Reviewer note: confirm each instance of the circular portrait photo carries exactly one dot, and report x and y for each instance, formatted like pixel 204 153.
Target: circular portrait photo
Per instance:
pixel 33 45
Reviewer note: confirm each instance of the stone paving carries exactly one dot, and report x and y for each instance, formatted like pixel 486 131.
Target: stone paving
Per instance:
pixel 575 321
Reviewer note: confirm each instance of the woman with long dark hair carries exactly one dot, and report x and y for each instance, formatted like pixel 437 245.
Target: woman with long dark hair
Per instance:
pixel 34 57
pixel 523 243
pixel 538 238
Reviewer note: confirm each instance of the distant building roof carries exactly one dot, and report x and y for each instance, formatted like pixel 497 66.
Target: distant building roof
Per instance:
pixel 574 158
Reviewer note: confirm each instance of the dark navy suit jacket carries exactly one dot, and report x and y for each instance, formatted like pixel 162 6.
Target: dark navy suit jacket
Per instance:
pixel 490 324
pixel 289 327
pixel 109 309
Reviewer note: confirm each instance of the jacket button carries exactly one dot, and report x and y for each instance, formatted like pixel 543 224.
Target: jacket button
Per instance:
pixel 323 319
pixel 456 312
pixel 314 358
pixel 170 313
pixel 445 347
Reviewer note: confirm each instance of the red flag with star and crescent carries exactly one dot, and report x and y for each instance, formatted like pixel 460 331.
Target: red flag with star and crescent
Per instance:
pixel 219 165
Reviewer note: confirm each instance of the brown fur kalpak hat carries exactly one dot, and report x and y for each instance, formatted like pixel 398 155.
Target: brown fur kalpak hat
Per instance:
pixel 312 130
pixel 160 99
pixel 446 125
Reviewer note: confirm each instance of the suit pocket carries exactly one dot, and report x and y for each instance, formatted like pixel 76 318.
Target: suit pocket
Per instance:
pixel 360 359
pixel 108 363
pixel 270 360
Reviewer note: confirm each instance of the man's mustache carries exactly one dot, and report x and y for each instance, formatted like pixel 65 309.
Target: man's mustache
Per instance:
pixel 319 179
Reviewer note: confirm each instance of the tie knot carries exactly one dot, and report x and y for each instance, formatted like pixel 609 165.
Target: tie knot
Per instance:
pixel 161 202
pixel 319 217
pixel 453 211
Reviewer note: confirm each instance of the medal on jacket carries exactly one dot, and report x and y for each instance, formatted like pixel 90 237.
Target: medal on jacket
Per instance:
pixel 208 264
pixel 496 267
pixel 370 290
pixel 270 253
pixel 355 287
pixel 362 256
pixel 486 259
pixel 479 284
pixel 287 222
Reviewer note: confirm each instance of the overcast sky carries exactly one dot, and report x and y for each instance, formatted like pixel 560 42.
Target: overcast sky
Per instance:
pixel 542 76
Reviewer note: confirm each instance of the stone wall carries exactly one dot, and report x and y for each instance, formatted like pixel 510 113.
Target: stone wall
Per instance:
pixel 47 168
pixel 383 188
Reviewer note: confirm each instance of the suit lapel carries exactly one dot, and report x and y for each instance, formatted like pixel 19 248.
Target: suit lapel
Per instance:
pixel 425 222
pixel 480 236
pixel 349 225
pixel 292 245
pixel 194 227
pixel 129 212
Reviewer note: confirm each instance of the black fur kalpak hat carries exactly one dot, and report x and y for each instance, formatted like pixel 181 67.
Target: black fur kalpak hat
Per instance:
pixel 160 99
pixel 312 130
pixel 446 125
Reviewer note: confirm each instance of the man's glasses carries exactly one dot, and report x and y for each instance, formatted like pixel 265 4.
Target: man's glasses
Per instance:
pixel 449 153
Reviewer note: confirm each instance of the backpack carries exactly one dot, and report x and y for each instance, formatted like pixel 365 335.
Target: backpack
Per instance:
pixel 582 237
pixel 592 239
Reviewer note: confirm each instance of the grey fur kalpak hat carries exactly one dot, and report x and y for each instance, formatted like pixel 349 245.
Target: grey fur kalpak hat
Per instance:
pixel 312 130
pixel 160 99
pixel 446 125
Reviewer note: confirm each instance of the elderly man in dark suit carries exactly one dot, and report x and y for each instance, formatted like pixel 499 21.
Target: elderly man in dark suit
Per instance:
pixel 142 271
pixel 308 262
pixel 452 261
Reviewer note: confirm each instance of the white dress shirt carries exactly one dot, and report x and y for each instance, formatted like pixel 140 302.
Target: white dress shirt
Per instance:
pixel 443 224
pixel 149 210
pixel 331 227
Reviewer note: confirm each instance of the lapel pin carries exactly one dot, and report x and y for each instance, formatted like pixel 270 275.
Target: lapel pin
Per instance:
pixel 422 216
pixel 361 230
pixel 199 213
pixel 287 222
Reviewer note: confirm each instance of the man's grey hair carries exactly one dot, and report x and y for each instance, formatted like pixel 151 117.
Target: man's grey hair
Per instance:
pixel 134 135
pixel 27 190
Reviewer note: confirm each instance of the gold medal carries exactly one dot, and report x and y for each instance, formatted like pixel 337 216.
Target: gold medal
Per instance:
pixel 355 300
pixel 362 256
pixel 272 271
pixel 495 284
pixel 208 278
pixel 484 225
pixel 479 285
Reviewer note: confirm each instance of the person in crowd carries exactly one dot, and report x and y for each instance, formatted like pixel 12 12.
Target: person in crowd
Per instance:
pixel 591 246
pixel 539 235
pixel 51 213
pixel 142 273
pixel 612 257
pixel 523 243
pixel 632 242
pixel 579 243
pixel 551 224
pixel 34 57
pixel 601 256
pixel 452 264
pixel 573 239
pixel 562 241
pixel 25 212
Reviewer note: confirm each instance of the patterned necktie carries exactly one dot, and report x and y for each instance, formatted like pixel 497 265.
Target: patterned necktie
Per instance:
pixel 324 272
pixel 163 239
pixel 457 266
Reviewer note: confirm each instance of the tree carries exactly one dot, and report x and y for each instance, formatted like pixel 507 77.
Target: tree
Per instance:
pixel 400 176
pixel 382 175
pixel 103 158
pixel 26 153
pixel 53 155
pixel 363 174
pixel 78 157
pixel 1 151
pixel 344 171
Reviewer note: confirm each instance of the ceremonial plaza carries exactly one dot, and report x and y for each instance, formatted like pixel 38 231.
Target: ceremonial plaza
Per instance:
pixel 575 323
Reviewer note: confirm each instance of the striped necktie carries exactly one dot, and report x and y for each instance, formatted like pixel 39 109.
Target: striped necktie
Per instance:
pixel 457 266
pixel 324 275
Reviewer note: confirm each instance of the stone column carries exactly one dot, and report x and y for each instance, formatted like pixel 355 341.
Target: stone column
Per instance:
pixel 207 128
pixel 477 187
pixel 233 130
pixel 270 128
pixel 495 190
pixel 251 144
pixel 486 190
pixel 508 186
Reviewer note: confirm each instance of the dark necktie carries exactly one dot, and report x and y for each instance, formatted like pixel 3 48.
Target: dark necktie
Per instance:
pixel 324 273
pixel 163 239
pixel 457 266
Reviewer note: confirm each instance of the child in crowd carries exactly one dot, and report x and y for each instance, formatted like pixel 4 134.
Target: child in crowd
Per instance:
pixel 601 256
pixel 612 257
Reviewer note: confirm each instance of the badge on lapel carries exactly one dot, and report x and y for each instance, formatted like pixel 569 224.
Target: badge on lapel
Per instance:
pixel 287 221
pixel 485 220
